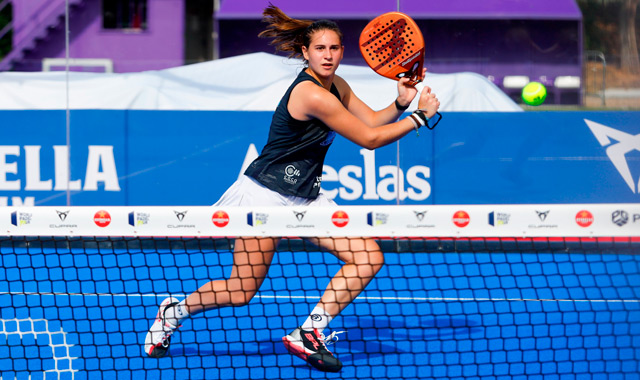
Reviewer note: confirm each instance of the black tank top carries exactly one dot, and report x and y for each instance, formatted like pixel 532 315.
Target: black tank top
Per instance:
pixel 291 162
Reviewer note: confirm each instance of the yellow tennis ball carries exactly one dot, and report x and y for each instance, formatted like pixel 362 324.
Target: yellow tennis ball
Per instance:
pixel 534 93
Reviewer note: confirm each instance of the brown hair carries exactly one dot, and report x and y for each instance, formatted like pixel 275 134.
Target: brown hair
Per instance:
pixel 290 35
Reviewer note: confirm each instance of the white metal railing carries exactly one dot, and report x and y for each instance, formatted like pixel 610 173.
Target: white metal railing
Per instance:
pixel 107 64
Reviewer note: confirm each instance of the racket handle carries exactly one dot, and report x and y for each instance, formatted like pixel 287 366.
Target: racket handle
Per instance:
pixel 419 86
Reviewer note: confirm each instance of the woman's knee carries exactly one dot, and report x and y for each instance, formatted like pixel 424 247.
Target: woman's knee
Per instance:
pixel 242 290
pixel 369 263
pixel 376 260
pixel 241 298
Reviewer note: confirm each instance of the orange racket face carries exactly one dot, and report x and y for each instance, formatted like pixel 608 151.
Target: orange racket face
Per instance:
pixel 392 45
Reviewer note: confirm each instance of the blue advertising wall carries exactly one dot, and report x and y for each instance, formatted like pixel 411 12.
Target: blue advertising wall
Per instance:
pixel 191 157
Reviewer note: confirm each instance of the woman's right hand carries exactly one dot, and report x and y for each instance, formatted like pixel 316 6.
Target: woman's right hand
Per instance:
pixel 428 102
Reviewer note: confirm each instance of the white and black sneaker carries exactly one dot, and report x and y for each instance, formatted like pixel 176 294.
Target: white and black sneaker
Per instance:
pixel 310 346
pixel 156 344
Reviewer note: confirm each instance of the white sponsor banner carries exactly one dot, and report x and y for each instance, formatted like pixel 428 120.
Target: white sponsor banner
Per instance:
pixel 569 220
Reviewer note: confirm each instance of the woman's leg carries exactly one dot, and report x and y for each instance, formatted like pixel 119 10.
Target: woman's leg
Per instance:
pixel 362 259
pixel 251 260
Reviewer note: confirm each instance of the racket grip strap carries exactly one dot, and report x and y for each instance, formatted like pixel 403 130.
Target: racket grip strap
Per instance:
pixel 419 119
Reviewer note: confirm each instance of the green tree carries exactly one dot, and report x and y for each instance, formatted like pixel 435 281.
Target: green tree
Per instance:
pixel 629 60
pixel 6 40
pixel 610 26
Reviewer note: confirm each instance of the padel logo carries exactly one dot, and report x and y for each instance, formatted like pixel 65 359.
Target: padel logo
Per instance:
pixel 624 143
pixel 20 218
pixel 461 219
pixel 102 218
pixel 257 218
pixel 340 219
pixel 377 218
pixel 584 218
pixel 497 219
pixel 137 219
pixel 220 219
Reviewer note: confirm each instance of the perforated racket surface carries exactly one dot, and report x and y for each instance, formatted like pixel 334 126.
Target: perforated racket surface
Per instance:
pixel 393 46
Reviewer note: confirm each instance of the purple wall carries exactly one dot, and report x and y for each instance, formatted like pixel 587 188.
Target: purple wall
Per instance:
pixel 419 9
pixel 490 47
pixel 28 16
pixel 160 46
pixel 540 39
pixel 495 38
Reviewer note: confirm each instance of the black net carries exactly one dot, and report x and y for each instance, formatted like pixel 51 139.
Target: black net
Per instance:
pixel 501 308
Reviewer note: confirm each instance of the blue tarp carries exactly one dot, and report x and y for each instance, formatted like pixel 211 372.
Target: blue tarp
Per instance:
pixel 191 157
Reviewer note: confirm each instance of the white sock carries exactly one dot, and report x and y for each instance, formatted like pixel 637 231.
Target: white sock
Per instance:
pixel 174 315
pixel 318 319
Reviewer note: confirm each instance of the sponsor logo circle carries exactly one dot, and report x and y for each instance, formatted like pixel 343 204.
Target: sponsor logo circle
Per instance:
pixel 220 218
pixel 584 218
pixel 461 218
pixel 290 170
pixel 340 219
pixel 102 218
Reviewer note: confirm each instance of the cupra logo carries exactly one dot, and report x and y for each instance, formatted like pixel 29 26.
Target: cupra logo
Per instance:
pixel 624 144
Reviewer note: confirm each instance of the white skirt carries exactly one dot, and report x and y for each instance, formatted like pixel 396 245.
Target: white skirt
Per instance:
pixel 246 191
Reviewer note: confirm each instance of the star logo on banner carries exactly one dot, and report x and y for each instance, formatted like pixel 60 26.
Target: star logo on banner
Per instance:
pixel 624 143
pixel 180 214
pixel 420 215
pixel 299 215
pixel 542 215
pixel 62 214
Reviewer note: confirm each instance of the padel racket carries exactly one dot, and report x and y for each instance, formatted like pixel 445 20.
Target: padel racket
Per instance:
pixel 393 46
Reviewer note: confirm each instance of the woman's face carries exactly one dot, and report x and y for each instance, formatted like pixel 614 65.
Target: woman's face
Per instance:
pixel 324 52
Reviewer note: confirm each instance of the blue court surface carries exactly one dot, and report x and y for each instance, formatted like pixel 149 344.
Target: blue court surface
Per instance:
pixel 80 309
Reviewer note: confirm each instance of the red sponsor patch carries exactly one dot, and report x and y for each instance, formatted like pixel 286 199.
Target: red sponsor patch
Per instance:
pixel 220 218
pixel 102 218
pixel 461 218
pixel 340 219
pixel 584 218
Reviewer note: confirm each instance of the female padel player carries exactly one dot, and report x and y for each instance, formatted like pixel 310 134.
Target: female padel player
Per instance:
pixel 288 172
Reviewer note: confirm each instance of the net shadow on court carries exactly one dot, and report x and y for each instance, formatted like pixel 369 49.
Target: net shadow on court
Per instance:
pixel 455 308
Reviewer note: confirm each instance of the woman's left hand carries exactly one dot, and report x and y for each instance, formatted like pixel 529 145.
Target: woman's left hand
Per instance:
pixel 406 91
